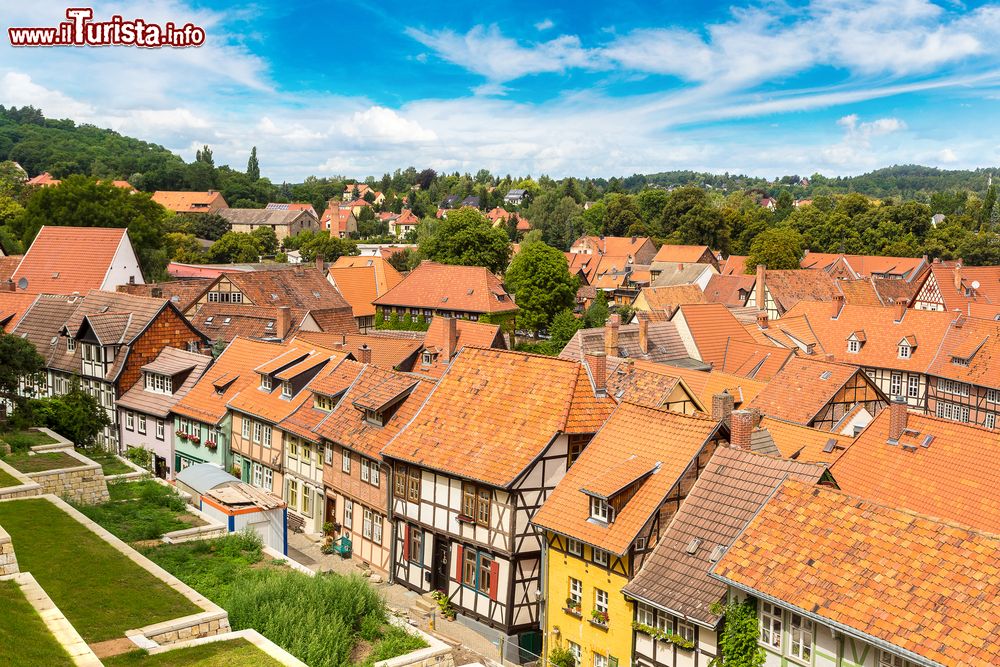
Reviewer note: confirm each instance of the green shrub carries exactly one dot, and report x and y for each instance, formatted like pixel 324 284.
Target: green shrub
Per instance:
pixel 136 511
pixel 140 456
pixel 562 657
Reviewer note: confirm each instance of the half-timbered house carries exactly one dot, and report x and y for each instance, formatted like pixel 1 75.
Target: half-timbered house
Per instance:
pixel 607 515
pixel 963 380
pixel 949 286
pixel 473 466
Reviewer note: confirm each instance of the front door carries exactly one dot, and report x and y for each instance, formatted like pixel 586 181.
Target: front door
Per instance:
pixel 442 557
pixel 246 471
pixel 331 510
pixel 160 467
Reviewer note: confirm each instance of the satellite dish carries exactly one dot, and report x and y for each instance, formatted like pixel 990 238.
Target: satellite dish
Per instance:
pixel 975 284
pixel 22 283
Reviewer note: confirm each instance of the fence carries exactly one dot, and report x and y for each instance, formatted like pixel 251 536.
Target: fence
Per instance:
pixel 496 650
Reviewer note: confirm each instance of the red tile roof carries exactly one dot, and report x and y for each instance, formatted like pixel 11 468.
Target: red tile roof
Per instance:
pixel 735 265
pixel 189 202
pixel 886 575
pixel 467 289
pixel 710 326
pixel 802 443
pixel 682 253
pixel 495 411
pixel 731 290
pixel 63 260
pixel 183 293
pixel 754 360
pixel 13 306
pixel 387 351
pixel 970 352
pixel 986 295
pixel 864 266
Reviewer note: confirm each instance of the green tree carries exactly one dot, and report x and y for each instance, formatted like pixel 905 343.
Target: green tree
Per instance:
pixel 204 155
pixel 989 204
pixel 542 285
pixel 19 363
pixel 267 239
pixel 563 326
pixel 328 247
pixel 982 249
pixel 75 415
pixel 466 237
pixel 210 226
pixel 253 166
pixel 777 248
pixel 235 247
pixel 598 312
pixel 84 202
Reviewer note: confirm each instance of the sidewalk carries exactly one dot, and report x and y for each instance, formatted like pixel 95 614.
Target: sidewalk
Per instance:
pixel 401 601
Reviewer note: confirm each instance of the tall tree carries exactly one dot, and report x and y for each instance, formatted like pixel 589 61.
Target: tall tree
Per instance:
pixel 19 362
pixel 253 166
pixel 204 154
pixel 777 248
pixel 466 237
pixel 542 285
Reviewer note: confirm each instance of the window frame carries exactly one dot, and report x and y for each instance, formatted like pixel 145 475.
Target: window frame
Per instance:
pixel 129 420
pixel 140 423
pixel 416 546
pixel 895 384
pixel 348 514
pixel 576 591
pixel 345 460
pixel 160 430
pixel 484 573
pixel 413 485
pixel 600 510
pixel 913 386
pixel 770 626
pixel 801 637
pixel 574 547
pixel 645 614
pixel 605 557
pixel 601 600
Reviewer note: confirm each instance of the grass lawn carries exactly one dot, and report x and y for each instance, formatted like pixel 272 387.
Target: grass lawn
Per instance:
pixel 324 621
pixel 99 589
pixel 24 639
pixel 24 462
pixel 22 440
pixel 6 479
pixel 232 653
pixel 142 510
pixel 110 463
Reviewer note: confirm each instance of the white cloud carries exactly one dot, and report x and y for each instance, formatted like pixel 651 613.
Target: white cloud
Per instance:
pixel 18 89
pixel 856 146
pixel 544 24
pixel 947 155
pixel 380 124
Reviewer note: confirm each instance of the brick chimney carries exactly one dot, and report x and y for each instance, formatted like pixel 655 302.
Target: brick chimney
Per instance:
pixel 761 319
pixel 283 323
pixel 838 305
pixel 644 332
pixel 365 354
pixel 598 364
pixel 959 319
pixel 722 405
pixel 320 264
pixel 611 335
pixel 958 277
pixel 740 428
pixel 897 417
pixel 900 310
pixel 450 338
pixel 10 286
pixel 156 292
pixel 759 288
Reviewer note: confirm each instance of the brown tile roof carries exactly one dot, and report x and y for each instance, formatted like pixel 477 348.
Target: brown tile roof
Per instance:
pixel 895 291
pixel 263 216
pixel 468 289
pixel 664 343
pixel 13 306
pixel 188 202
pixel 704 385
pixel 729 492
pixel 802 388
pixel 710 326
pixel 756 361
pixel 296 287
pixel 860 292
pixel 183 293
pixel 788 287
pixel 388 352
pixel 188 367
pixel 681 253
pixel 803 443
pixel 668 298
pixel 9 264
pixel 611 462
pixel 882 333
pixel 647 384
pixel 970 352
pixel 735 265
pixel 226 321
pixel 952 478
pixel 495 411
pixel 925 586
pixel 731 290
pixel 229 375
pixel 63 260
pixel 865 265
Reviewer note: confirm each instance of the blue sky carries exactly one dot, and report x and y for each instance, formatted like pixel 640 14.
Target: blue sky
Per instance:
pixel 564 88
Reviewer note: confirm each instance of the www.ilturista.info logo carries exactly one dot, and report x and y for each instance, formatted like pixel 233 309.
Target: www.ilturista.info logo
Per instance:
pixel 81 30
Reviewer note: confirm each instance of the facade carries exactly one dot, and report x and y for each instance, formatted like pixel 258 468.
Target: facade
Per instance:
pixel 876 587
pixel 144 411
pixel 605 518
pixel 68 260
pixel 462 513
pixel 103 340
pixel 964 384
pixel 285 223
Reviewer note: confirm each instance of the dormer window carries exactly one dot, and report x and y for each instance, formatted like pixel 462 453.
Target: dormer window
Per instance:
pixel 854 346
pixel 324 403
pixel 286 389
pixel 70 344
pixel 265 382
pixel 427 358
pixel 600 510
pixel 904 351
pixel 373 418
pixel 160 384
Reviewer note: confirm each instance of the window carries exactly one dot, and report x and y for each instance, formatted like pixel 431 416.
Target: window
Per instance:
pixel 268 479
pixel 345 461
pixel 600 660
pixel 993 395
pixel 599 509
pixel 366 528
pixel 574 648
pixel 640 544
pixel 664 623
pixel 324 403
pixel 913 386
pixel 293 448
pixel 306 499
pixel 485 574
pixel 159 429
pixel 267 436
pixel 645 614
pixel 286 389
pixel 483 508
pixel 886 659
pixel 375 473
pixel 896 385
pixel 348 514
pixel 364 470
pixel 574 547
pixel 800 637
pixel 376 528
pixel 246 428
pixel 328 455
pixel 953 411
pixel 256 432
pixel 129 421
pixel 770 625
pixel 469 567
pixel 575 447
pixel 601 600
pixel 854 346
pixel 576 591
pixel 990 421
pixel 160 384
pixel 141 425
pixel 258 477
pixel 953 387
pixel 400 486
pixel 904 351
pixel 685 630
pixel 416 546
pixel 600 557
pixel 265 382
pixel 413 486
pixel 70 344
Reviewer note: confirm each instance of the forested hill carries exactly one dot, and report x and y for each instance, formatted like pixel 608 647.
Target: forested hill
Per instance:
pixel 62 147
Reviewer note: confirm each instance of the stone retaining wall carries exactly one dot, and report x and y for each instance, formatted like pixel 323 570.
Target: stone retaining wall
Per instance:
pixel 27 488
pixel 279 654
pixel 177 630
pixel 437 653
pixel 8 561
pixel 83 484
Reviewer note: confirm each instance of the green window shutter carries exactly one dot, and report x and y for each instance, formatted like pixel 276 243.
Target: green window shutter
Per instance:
pixel 612 661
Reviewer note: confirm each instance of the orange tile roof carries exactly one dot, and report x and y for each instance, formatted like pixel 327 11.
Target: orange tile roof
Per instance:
pixel 791 331
pixel 803 443
pixel 681 253
pixel 668 298
pixel 8 264
pixel 953 478
pixel 616 246
pixel 727 494
pixel 182 293
pixel 711 326
pixel 63 260
pixel 468 333
pixel 386 275
pixel 788 287
pixel 976 343
pixel 358 286
pixel 387 351
pixel 987 295
pixel 495 411
pixel 670 441
pixel 188 202
pixel 799 390
pixel 43 179
pixel 860 292
pixel 467 289
pixel 887 575
pixel 705 385
pixel 756 361
pixel 882 333
pixel 726 289
pixel 13 305
pixel 864 265
pixel 735 265
pixel 232 372
pixel 339 379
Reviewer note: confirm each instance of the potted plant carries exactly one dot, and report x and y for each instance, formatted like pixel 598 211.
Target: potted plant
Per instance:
pixel 194 439
pixel 211 444
pixel 181 434
pixel 600 617
pixel 573 606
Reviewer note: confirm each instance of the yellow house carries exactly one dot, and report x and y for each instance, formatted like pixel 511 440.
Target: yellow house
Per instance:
pixel 606 516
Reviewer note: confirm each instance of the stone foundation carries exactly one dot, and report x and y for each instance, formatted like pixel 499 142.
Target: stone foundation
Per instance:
pixel 8 561
pixel 84 485
pixel 184 629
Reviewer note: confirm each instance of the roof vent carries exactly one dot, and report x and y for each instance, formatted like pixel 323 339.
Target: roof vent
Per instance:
pixel 269 325
pixel 692 546
pixel 716 553
pixel 175 299
pixel 316 294
pixel 105 309
pixel 209 319
pixel 470 291
pixel 54 340
pixel 443 299
pixel 829 446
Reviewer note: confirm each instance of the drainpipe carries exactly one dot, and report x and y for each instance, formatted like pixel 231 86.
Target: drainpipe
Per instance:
pixel 543 604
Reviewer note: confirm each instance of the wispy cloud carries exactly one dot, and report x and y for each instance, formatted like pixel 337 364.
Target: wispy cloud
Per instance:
pixel 545 24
